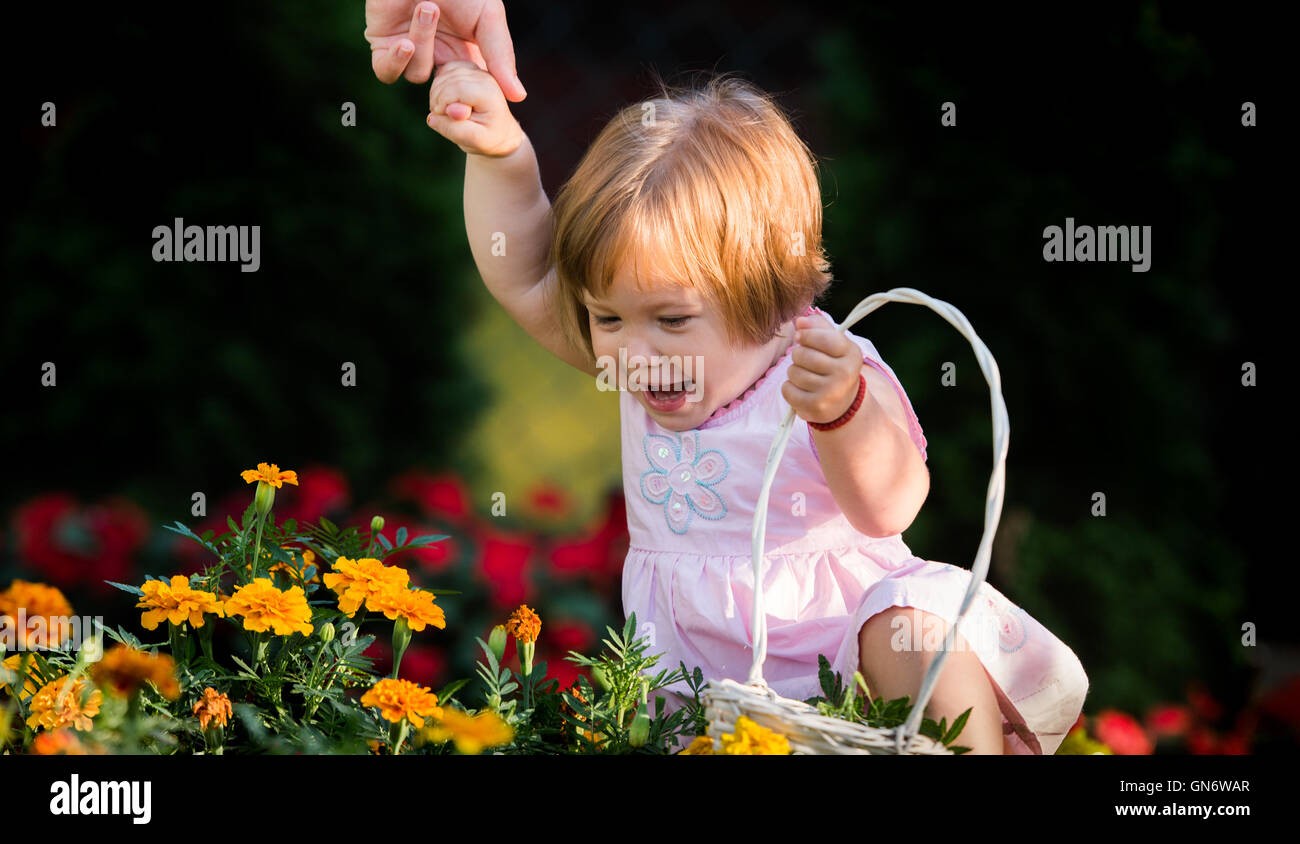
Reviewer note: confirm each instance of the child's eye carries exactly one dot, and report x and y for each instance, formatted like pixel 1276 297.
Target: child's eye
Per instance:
pixel 606 320
pixel 675 322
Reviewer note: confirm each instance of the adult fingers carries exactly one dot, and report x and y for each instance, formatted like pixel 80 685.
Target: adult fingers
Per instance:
pixel 389 62
pixel 493 38
pixel 424 26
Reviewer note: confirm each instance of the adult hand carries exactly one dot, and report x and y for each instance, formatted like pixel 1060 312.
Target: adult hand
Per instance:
pixel 409 38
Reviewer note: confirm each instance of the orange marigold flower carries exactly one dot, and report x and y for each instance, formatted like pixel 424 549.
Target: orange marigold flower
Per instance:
pixel 753 739
pixel 37 601
pixel 12 664
pixel 415 605
pixel 295 569
pixel 398 699
pixel 176 603
pixel 62 742
pixel 213 706
pixel 266 608
pixel 470 733
pixel 524 624
pixel 52 709
pixel 123 670
pixel 271 474
pixel 701 746
pixel 356 581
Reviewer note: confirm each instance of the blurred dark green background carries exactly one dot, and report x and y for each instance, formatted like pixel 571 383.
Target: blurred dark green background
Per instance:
pixel 1116 382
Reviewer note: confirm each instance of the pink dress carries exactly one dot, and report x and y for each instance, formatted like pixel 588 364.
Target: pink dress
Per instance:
pixel 689 579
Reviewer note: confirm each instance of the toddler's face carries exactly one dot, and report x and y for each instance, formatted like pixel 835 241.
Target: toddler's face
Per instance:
pixel 658 334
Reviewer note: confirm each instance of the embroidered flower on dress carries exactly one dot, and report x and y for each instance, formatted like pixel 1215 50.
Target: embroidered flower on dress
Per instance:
pixel 681 477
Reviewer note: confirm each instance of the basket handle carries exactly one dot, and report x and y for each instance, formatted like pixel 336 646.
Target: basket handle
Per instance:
pixel 992 504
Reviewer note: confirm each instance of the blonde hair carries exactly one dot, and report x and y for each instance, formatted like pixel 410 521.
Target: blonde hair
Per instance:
pixel 715 179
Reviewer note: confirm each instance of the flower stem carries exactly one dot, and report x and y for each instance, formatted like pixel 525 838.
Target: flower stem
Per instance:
pixel 257 548
pixel 397 735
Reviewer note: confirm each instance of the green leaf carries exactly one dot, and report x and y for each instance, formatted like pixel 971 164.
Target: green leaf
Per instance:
pixel 134 590
pixel 244 666
pixel 401 536
pixel 951 735
pixel 446 692
pixel 383 540
pixel 329 526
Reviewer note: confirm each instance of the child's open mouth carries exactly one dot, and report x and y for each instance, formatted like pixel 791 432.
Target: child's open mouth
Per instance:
pixel 666 401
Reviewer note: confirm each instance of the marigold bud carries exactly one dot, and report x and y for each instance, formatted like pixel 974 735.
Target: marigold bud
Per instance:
pixel 640 730
pixel 598 674
pixel 264 498
pixel 376 524
pixel 497 642
pixel 327 632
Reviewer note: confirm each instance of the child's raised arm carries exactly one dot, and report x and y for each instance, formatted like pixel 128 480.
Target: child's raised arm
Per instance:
pixel 507 213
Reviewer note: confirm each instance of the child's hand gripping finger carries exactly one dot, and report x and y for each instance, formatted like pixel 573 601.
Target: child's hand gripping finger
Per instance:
pixel 824 369
pixel 466 107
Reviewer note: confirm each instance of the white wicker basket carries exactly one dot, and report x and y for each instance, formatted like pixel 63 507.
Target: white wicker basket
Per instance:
pixel 808 731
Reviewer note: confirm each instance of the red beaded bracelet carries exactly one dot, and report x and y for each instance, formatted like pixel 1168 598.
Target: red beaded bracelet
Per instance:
pixel 846 415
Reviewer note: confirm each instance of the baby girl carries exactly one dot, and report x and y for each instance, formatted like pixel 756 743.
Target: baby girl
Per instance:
pixel 686 247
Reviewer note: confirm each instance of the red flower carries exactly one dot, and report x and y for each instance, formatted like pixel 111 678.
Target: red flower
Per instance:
pixel 504 564
pixel 1235 744
pixel 1121 733
pixel 568 635
pixel 380 650
pixel 1202 741
pixel 549 501
pixel 435 557
pixel 320 492
pixel 558 667
pixel 1283 702
pixel 599 554
pixel 1169 720
pixel 1206 708
pixel 424 664
pixel 68 546
pixel 443 496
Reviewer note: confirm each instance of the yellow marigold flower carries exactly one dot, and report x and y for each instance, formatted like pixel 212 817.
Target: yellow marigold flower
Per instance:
pixel 415 605
pixel 47 711
pixel 398 699
pixel 62 742
pixel 524 624
pixel 266 608
pixel 356 581
pixel 30 685
pixel 306 559
pixel 176 603
pixel 213 706
pixel 1077 743
pixel 702 746
pixel 37 601
pixel 470 733
pixel 271 474
pixel 751 739
pixel 123 670
pixel 294 570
